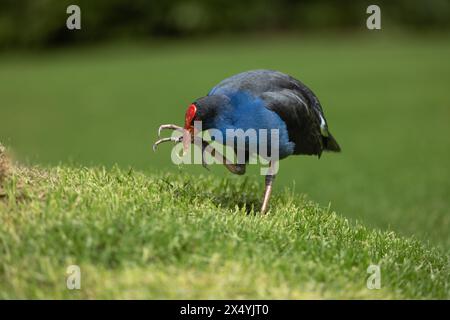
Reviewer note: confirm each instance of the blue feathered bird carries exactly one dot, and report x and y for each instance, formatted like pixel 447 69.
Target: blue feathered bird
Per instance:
pixel 261 99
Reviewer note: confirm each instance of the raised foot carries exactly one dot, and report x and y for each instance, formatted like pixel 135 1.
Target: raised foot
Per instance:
pixel 173 139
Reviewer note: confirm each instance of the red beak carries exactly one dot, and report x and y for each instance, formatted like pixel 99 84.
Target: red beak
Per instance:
pixel 189 131
pixel 188 135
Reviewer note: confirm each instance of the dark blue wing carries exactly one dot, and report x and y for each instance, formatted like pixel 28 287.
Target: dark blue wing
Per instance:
pixel 294 103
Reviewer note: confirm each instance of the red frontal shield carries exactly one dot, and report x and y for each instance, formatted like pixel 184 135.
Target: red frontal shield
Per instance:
pixel 188 127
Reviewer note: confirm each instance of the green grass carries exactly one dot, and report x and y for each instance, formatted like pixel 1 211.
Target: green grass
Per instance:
pixel 385 96
pixel 160 231
pixel 181 236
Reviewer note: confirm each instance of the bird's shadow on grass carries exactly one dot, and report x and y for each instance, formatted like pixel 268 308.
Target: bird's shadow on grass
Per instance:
pixel 228 193
pixel 248 203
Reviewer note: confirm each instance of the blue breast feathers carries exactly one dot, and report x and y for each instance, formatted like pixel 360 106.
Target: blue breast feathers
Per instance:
pixel 245 111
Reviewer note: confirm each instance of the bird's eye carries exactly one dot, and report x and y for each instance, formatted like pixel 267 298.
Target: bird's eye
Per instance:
pixel 190 114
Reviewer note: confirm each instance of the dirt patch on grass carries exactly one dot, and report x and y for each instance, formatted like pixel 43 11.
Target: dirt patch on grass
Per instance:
pixel 24 182
pixel 5 168
pixel 5 165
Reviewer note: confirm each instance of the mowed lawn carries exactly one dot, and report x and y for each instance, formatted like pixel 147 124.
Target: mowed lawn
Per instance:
pixel 386 100
pixel 135 235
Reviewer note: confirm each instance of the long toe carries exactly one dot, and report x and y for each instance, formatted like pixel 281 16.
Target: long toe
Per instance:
pixel 169 127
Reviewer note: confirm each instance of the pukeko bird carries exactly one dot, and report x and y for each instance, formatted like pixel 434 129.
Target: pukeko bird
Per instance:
pixel 260 99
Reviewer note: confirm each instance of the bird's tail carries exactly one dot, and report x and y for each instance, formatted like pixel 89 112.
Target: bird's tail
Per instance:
pixel 331 144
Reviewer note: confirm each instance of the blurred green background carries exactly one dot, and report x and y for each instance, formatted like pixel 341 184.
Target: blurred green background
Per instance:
pixel 96 96
pixel 41 23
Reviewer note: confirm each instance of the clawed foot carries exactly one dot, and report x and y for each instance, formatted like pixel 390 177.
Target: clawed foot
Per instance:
pixel 233 168
pixel 178 139
pixel 173 139
pixel 170 127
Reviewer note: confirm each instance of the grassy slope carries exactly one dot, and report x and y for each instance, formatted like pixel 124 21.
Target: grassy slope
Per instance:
pixel 168 236
pixel 385 97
